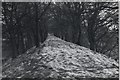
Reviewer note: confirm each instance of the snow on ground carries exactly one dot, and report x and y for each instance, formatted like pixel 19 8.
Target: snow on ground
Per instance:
pixel 59 58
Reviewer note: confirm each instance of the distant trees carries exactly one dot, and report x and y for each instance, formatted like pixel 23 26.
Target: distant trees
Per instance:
pixel 89 24
pixel 68 16
pixel 21 25
pixel 99 25
pixel 107 29
pixel 93 25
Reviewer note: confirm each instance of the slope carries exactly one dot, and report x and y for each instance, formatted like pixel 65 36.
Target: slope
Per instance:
pixel 56 58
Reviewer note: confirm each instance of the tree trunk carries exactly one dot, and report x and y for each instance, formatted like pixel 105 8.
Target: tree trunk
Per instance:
pixel 92 45
pixel 36 27
pixel 13 45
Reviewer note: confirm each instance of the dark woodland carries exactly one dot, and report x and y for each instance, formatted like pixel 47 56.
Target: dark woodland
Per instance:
pixel 60 40
pixel 92 25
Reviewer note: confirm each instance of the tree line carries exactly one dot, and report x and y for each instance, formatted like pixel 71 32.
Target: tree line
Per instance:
pixel 90 24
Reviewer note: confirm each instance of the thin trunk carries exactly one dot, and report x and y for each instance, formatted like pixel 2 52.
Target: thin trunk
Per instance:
pixel 12 35
pixel 36 20
pixel 91 37
pixel 91 27
pixel 22 42
pixel 13 45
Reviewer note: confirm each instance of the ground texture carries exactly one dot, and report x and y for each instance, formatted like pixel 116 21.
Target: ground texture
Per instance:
pixel 56 58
